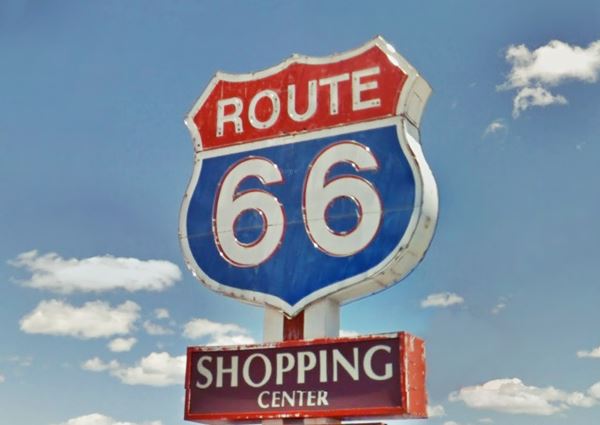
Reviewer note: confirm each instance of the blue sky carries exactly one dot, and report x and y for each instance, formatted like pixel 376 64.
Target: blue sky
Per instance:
pixel 95 160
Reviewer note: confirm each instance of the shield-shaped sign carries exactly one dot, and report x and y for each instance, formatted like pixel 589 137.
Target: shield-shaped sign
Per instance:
pixel 309 179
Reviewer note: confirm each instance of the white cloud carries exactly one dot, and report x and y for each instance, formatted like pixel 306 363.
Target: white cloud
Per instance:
pixel 486 420
pixel 218 333
pixel 594 391
pixel 219 340
pixel 535 96
pixel 348 334
pixel 95 274
pixel 2 378
pixel 97 365
pixel 512 396
pixel 533 72
pixel 98 419
pixel 498 308
pixel 154 329
pixel 156 369
pixel 442 299
pixel 495 126
pixel 579 399
pixel 552 64
pixel 118 345
pixel 95 319
pixel 436 411
pixel 451 423
pixel 21 361
pixel 595 353
pixel 161 313
pixel 501 305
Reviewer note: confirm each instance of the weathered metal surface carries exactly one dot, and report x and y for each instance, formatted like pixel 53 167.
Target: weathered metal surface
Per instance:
pixel 369 376
pixel 309 180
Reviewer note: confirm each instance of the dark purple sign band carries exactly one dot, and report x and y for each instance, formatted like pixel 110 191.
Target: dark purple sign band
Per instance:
pixel 349 377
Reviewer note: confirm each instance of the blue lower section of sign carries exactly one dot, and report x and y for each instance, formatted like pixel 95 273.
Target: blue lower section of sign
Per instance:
pixel 297 268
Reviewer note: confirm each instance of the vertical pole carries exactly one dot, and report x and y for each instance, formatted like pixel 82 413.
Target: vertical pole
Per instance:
pixel 293 327
pixel 319 320
pixel 322 319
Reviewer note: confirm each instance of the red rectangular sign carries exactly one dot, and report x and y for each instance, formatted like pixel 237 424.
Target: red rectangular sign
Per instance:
pixel 364 377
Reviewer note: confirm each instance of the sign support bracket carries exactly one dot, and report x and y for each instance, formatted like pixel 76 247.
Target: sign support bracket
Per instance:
pixel 320 319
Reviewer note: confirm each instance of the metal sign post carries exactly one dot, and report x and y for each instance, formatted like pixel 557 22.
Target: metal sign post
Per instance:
pixel 310 189
pixel 319 320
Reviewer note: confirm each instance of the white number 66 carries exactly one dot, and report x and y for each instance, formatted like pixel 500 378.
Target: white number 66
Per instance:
pixel 319 193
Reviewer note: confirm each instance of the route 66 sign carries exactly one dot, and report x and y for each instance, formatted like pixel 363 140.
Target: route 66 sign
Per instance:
pixel 309 179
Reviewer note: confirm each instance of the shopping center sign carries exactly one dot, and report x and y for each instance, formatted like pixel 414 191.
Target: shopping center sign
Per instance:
pixel 380 375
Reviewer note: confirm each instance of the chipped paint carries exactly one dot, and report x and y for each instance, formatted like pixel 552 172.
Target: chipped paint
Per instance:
pixel 371 396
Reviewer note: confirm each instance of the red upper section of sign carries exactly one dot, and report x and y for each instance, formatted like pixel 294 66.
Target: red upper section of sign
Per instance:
pixel 298 97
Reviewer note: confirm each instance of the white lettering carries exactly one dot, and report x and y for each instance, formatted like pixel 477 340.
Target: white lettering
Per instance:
pixel 298 398
pixel 246 370
pixel 233 117
pixel 204 372
pixel 334 97
pixel 289 398
pixel 306 361
pixel 230 110
pixel 351 369
pixel 276 107
pixel 310 399
pixel 276 396
pixel 312 102
pixel 232 371
pixel 301 394
pixel 322 399
pixel 261 403
pixel 368 363
pixel 358 87
pixel 280 368
pixel 323 366
pixel 287 369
